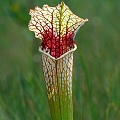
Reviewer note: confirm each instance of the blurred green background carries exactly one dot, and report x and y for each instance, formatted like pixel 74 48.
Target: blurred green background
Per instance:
pixel 96 79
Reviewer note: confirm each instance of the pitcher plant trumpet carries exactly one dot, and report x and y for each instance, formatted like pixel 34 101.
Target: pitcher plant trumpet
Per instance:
pixel 57 27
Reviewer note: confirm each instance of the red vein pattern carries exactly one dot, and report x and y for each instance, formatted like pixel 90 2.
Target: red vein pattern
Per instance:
pixel 56 26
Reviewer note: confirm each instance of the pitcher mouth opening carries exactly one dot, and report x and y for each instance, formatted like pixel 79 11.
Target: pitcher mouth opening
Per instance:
pixel 47 53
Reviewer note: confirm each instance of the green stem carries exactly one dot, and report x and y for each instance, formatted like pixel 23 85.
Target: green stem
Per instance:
pixel 62 107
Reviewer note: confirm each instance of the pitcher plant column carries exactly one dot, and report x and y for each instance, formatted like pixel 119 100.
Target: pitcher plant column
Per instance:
pixel 57 27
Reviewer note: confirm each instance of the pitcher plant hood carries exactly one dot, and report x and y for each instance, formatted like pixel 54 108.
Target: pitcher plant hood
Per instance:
pixel 56 27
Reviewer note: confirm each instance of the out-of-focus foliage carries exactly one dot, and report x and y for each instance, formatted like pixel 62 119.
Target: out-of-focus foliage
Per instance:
pixel 96 62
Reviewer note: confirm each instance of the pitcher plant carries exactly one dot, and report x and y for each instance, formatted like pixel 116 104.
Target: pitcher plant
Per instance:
pixel 57 27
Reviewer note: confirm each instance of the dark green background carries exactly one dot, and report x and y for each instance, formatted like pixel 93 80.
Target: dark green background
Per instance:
pixel 96 79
